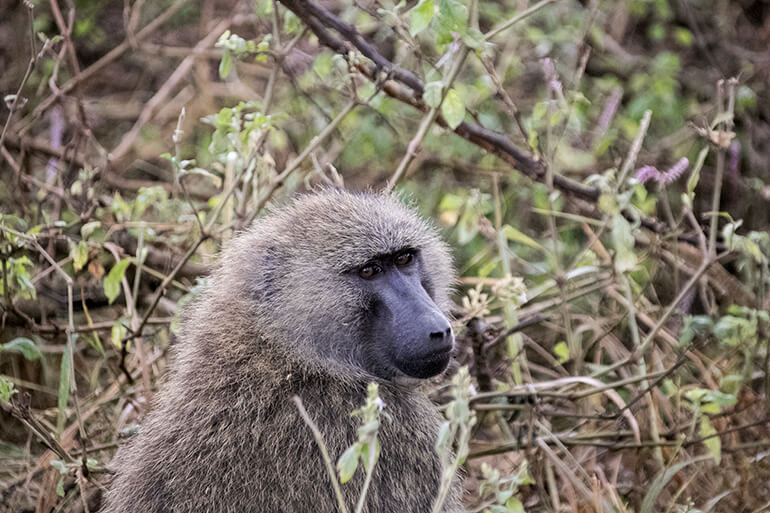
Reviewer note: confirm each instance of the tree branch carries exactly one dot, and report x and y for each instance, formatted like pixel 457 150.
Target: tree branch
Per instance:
pixel 320 21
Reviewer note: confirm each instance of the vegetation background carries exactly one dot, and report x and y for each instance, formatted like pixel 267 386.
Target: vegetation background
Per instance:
pixel 601 169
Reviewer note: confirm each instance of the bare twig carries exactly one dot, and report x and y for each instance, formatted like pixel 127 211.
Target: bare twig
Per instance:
pixel 294 164
pixel 162 287
pixel 324 453
pixel 516 18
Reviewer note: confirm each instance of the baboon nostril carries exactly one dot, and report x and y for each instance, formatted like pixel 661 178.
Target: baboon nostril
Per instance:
pixel 448 332
pixel 438 335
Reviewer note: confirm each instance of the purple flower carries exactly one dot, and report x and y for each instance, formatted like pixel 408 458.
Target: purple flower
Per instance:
pixel 676 171
pixel 647 173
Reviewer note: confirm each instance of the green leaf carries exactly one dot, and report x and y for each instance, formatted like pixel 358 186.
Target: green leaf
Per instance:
pixel 696 394
pixel 348 462
pixel 734 331
pixel 683 36
pixel 695 325
pixel 60 487
pixel 713 444
pixel 660 482
pixel 112 281
pixel 503 495
pixel 366 454
pixel 556 117
pixel 95 342
pixel 722 399
pixel 453 109
pixel 225 64
pixel 323 66
pixel 752 249
pixel 87 229
pixel 514 505
pixel 608 204
pixel 432 94
pixel 451 202
pixel 369 428
pixel 486 269
pixel 539 111
pixel 532 140
pixel 117 334
pixel 523 477
pixel 443 435
pixel 710 401
pixel 452 18
pixel 692 182
pixel 623 242
pixel 515 235
pixel 6 389
pixel 561 351
pixel 25 346
pixel 474 39
pixel 80 255
pixel 291 24
pixel 573 157
pixel 420 16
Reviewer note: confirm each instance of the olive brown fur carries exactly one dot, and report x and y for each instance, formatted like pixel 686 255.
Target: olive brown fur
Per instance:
pixel 293 309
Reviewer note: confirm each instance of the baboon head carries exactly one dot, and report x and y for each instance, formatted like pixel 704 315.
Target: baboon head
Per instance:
pixel 357 281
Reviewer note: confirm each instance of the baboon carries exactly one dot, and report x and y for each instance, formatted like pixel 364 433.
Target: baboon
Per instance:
pixel 317 299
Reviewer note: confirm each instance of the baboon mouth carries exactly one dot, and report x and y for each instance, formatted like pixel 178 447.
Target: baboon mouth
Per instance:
pixel 425 366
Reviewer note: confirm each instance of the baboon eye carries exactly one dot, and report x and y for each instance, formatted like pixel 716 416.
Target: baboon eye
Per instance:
pixel 369 270
pixel 404 258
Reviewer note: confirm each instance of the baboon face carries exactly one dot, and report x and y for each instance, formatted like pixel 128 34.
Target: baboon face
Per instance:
pixel 408 332
pixel 358 279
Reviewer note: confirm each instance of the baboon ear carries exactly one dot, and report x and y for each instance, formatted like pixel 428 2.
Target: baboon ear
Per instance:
pixel 263 284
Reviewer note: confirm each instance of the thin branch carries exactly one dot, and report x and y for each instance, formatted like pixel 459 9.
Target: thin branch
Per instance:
pixel 294 164
pixel 516 18
pixel 414 145
pixel 166 281
pixel 319 20
pixel 304 9
pixel 663 318
pixel 324 453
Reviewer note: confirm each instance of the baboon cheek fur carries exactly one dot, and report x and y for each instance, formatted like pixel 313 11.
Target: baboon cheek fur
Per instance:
pixel 280 317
